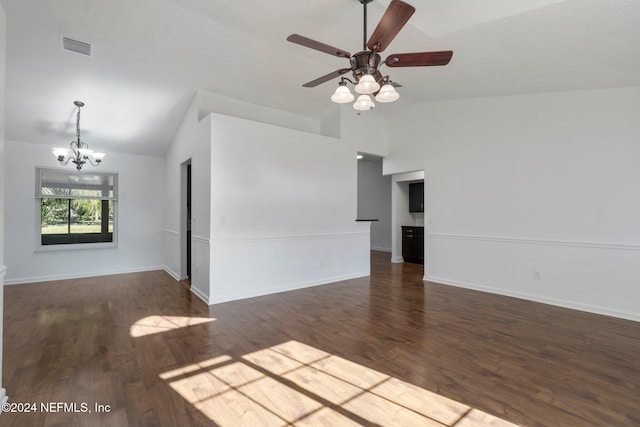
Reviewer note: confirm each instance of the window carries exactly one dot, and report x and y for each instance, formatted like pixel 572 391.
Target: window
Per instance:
pixel 76 207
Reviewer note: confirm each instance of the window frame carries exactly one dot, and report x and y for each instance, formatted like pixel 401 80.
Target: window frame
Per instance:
pixel 38 204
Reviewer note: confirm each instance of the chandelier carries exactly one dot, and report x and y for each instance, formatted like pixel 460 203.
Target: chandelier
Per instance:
pixel 79 152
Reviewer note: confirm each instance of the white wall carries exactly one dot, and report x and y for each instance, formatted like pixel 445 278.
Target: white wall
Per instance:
pixel 364 130
pixel 3 63
pixel 214 103
pixel 283 210
pixel 374 202
pixel 297 222
pixel 192 141
pixel 139 222
pixel 544 183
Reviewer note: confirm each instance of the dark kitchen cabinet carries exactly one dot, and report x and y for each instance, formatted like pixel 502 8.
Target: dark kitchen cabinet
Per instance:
pixel 413 244
pixel 416 197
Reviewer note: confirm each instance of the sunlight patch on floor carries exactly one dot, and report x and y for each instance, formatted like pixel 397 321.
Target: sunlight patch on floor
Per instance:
pixel 156 324
pixel 293 384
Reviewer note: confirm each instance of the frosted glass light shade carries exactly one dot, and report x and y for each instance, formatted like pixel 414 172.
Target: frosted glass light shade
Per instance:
pixel 60 152
pixel 98 156
pixel 364 103
pixel 342 95
pixel 367 84
pixel 387 94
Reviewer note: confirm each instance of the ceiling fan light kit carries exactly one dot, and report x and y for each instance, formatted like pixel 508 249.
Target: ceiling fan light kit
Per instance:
pixel 364 103
pixel 365 64
pixel 342 95
pixel 387 93
pixel 367 84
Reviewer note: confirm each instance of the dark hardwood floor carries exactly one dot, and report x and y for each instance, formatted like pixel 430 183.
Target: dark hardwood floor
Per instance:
pixel 384 350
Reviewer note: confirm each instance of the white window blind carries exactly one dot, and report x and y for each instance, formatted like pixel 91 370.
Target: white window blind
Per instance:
pixel 62 184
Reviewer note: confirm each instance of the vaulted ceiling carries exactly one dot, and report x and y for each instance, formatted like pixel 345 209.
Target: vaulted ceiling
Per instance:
pixel 150 56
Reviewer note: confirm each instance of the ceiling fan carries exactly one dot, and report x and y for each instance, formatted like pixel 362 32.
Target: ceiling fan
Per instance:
pixel 365 64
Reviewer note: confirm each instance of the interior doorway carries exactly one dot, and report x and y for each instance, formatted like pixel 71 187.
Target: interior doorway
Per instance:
pixel 189 221
pixel 408 219
pixel 185 222
pixel 374 200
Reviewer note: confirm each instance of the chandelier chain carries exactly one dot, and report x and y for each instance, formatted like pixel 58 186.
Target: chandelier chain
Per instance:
pixel 78 125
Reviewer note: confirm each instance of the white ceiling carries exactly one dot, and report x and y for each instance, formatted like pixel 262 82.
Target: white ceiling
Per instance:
pixel 150 56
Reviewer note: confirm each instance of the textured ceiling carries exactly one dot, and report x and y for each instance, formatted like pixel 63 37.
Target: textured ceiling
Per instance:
pixel 150 56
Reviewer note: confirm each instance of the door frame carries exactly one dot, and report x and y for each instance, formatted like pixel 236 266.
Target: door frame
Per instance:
pixel 185 239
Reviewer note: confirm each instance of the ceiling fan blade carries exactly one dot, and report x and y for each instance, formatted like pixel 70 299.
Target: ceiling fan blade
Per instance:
pixel 326 78
pixel 394 18
pixel 307 42
pixel 419 59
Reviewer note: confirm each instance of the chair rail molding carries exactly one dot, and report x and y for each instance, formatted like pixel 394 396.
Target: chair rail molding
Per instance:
pixel 291 237
pixel 528 241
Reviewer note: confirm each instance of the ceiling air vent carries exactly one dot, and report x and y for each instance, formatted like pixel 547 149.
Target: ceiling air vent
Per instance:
pixel 76 46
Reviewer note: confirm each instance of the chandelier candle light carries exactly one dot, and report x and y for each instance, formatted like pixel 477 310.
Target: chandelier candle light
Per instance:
pixel 79 152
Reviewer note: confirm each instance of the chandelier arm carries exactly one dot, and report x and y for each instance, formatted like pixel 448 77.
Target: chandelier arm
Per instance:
pixel 65 161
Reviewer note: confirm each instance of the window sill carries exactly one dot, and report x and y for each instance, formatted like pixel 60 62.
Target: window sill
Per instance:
pixel 75 247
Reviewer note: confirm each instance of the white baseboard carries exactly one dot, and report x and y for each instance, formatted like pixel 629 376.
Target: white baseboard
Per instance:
pixel 23 280
pixel 381 249
pixel 397 259
pixel 290 287
pixel 257 293
pixel 3 397
pixel 537 298
pixel 172 273
pixel 197 292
